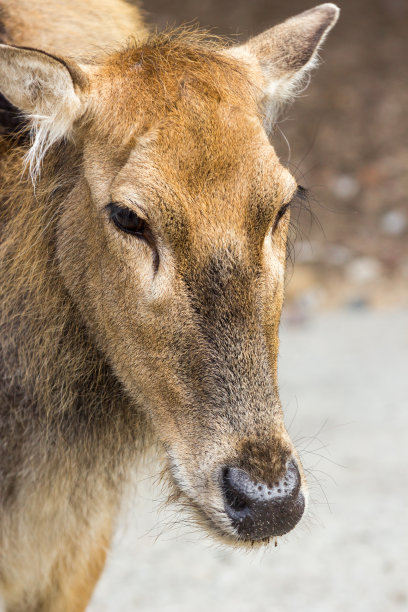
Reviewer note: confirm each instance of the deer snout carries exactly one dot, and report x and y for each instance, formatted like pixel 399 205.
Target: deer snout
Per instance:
pixel 258 511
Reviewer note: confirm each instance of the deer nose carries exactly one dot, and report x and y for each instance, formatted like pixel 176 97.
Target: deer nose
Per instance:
pixel 258 511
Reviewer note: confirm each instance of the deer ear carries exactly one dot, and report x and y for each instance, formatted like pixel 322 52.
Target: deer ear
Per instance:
pixel 286 53
pixel 46 89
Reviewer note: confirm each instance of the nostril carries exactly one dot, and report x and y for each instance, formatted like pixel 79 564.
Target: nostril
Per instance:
pixel 259 511
pixel 234 497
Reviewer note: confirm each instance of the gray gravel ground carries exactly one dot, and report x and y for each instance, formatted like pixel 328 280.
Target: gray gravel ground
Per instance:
pixel 344 385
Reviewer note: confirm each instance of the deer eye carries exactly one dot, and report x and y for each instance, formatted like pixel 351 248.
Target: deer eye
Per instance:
pixel 281 213
pixel 127 221
pixel 300 195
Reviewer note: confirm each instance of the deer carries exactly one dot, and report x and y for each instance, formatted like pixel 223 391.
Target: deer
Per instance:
pixel 144 221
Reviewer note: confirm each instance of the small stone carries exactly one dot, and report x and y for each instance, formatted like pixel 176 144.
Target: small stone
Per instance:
pixel 345 187
pixel 394 222
pixel 363 270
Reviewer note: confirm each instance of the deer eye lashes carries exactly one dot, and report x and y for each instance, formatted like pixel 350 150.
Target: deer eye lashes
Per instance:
pixel 300 194
pixel 281 212
pixel 127 220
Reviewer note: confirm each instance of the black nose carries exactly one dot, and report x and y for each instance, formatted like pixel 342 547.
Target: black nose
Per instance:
pixel 258 511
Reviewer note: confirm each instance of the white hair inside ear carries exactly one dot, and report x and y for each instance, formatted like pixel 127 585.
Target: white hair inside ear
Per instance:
pixel 42 87
pixel 283 56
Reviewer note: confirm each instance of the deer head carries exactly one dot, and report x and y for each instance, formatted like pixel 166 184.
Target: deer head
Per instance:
pixel 172 245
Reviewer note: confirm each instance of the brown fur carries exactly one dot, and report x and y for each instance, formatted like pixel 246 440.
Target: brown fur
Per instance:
pixel 109 342
pixel 75 29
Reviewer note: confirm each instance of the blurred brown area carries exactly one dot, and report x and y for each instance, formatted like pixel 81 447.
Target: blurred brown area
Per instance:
pixel 348 136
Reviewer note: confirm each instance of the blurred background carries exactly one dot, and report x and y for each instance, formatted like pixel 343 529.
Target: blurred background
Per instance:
pixel 344 346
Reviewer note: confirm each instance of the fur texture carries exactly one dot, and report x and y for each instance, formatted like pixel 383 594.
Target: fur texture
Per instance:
pixel 111 341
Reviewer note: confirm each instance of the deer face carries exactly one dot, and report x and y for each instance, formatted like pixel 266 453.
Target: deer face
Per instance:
pixel 173 246
pixel 191 249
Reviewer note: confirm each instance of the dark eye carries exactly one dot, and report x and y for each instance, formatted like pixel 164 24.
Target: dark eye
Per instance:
pixel 127 220
pixel 281 213
pixel 300 196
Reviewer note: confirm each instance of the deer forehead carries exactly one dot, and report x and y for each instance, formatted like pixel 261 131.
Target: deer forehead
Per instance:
pixel 220 154
pixel 222 183
pixel 203 145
